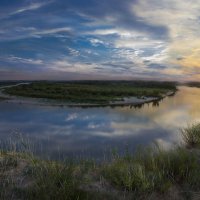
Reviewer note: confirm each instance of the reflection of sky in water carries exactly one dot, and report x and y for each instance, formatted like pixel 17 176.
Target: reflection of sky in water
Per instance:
pixel 92 131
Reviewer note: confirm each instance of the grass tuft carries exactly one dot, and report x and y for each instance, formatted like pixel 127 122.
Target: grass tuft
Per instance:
pixel 149 171
pixel 191 135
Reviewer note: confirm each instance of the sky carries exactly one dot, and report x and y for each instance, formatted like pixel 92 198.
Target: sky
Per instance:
pixel 100 39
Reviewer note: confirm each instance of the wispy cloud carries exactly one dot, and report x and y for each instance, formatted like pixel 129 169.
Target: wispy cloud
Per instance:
pixel 33 6
pixel 150 39
pixel 182 20
pixel 15 59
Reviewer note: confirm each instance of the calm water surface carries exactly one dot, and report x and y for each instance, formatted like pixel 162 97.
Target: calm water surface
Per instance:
pixel 58 132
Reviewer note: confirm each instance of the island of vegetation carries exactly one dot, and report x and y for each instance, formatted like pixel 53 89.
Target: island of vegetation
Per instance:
pixel 93 92
pixel 151 173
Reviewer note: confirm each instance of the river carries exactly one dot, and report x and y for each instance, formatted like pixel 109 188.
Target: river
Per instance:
pixel 60 132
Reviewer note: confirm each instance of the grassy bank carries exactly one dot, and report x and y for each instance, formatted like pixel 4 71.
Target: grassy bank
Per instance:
pixel 3 98
pixel 92 91
pixel 151 173
pixel 193 84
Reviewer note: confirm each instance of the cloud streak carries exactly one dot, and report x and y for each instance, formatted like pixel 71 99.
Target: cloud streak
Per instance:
pixel 33 6
pixel 146 39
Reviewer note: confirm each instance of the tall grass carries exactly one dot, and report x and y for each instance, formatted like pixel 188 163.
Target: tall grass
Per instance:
pixel 53 180
pixel 149 170
pixel 23 176
pixel 191 135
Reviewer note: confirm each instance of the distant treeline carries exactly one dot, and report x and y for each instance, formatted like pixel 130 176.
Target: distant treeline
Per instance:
pixel 193 84
pixel 136 83
pixel 2 83
pixel 133 83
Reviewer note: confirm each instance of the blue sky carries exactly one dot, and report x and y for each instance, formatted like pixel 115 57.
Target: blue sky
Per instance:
pixel 107 39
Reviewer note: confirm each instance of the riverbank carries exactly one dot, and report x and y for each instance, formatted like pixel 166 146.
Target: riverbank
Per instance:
pixel 151 173
pixel 88 94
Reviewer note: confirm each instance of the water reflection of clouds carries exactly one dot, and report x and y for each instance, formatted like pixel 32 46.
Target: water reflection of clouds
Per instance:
pixel 76 130
pixel 92 125
pixel 71 117
pixel 94 144
pixel 173 119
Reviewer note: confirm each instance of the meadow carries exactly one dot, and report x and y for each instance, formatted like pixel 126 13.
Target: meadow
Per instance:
pixel 98 92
